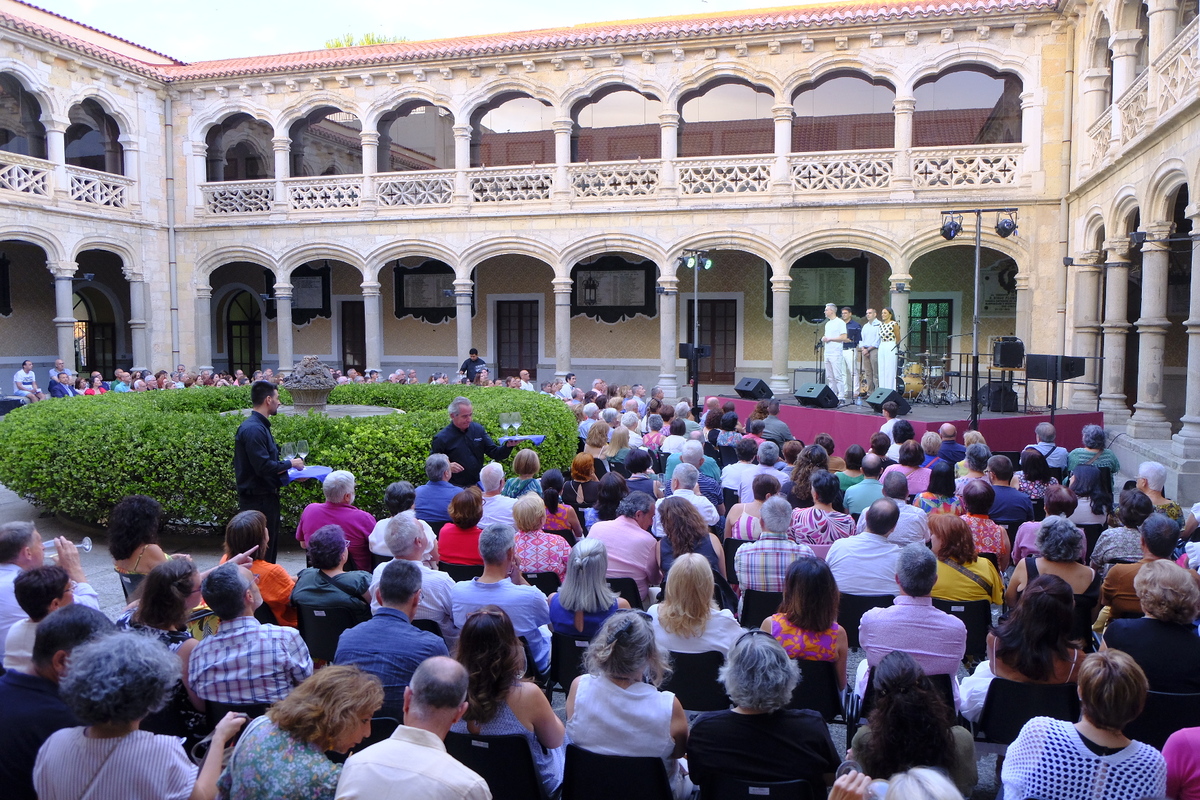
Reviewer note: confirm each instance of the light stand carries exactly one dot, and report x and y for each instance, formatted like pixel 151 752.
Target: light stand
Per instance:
pixel 695 260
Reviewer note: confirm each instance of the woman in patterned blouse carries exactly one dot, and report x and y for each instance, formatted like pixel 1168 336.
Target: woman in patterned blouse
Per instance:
pixel 537 550
pixel 978 496
pixel 821 524
pixel 806 624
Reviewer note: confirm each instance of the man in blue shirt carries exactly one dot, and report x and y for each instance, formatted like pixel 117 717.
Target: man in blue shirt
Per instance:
pixel 433 498
pixel 1010 505
pixel 388 645
pixel 859 497
pixel 950 451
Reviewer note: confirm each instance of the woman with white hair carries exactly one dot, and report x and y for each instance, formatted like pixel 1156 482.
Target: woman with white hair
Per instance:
pixel 584 602
pixel 1059 543
pixel 1151 479
pixel 760 739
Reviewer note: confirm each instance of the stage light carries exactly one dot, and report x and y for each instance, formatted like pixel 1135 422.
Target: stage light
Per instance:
pixel 951 226
pixel 1005 226
pixel 707 262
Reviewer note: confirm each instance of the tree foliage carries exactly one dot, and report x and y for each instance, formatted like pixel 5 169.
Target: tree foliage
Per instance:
pixel 350 40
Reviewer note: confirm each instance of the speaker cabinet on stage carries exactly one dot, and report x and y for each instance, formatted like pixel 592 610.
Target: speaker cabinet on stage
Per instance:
pixel 1052 368
pixel 998 397
pixel 816 394
pixel 753 389
pixel 882 395
pixel 1008 352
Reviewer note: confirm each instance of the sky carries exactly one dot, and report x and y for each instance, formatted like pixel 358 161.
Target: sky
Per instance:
pixel 201 30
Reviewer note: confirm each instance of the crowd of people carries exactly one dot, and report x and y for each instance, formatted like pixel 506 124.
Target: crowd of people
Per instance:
pixel 452 602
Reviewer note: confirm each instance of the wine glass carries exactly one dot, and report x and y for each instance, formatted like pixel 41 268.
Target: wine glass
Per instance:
pixel 516 421
pixel 51 547
pixel 289 451
pixel 302 448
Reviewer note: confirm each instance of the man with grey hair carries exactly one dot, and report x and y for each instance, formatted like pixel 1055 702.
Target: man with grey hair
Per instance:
pixel 684 412
pixel 503 585
pixel 762 565
pixel 433 498
pixel 407 540
pixel 465 442
pixel 683 484
pixel 1056 457
pixel 496 507
pixel 630 420
pixel 692 453
pixel 413 761
pixel 631 548
pixel 865 564
pixel 912 524
pixel 775 429
pixel 768 455
pixel 388 645
pixel 591 414
pixel 338 509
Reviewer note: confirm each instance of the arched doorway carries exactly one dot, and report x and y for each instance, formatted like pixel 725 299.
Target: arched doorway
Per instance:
pixel 243 333
pixel 95 333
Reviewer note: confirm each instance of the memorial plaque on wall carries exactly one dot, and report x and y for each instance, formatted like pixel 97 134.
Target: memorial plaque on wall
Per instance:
pixel 426 292
pixel 611 289
pixel 998 289
pixel 310 293
pixel 820 278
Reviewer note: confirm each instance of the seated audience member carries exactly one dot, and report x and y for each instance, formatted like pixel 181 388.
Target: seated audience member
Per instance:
pixel 1151 479
pixel 30 707
pixel 789 453
pixel 1060 502
pixel 1095 500
pixel 1182 754
pixel 692 453
pixel 754 431
pixel 388 645
pixel 398 498
pixel 978 496
pixel 612 492
pixel 1032 644
pixel 653 438
pixel 244 662
pixel 283 753
pixel 1009 505
pixel 962 576
pixel 743 520
pixel 584 602
pixel 338 509
pixel 852 474
pixel 806 623
pixel 537 550
pixel 775 429
pixel 560 516
pixel 632 549
pixel 728 436
pixel 939 496
pixel 798 488
pixel 931 443
pixel 974 466
pixel 433 497
pixel 247 532
pixel 594 444
pixel 890 413
pixel 503 585
pixel 458 540
pixel 499 703
pixel 1034 477
pixel 820 523
pixel 865 564
pixel 910 725
pixel 642 477
pixel 1056 457
pixel 881 443
pixel 685 531
pixel 526 465
pixel 616 709
pixel 584 487
pixel 1164 642
pixel 111 685
pixel 617 448
pixel 414 756
pixel 688 620
pixel 836 464
pixel 902 431
pixel 1123 544
pixel 676 436
pixel 38 592
pixel 1059 543
pixel 912 524
pixel 911 460
pixel 934 638
pixel 133 527
pixel 768 457
pixel 732 474
pixel 760 738
pixel 1159 537
pixel 858 498
pixel 1055 760
pixel 326 584
pixel 496 507
pixel 406 541
pixel 762 565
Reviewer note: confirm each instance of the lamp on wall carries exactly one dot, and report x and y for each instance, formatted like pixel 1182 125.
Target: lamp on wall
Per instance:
pixel 591 288
pixel 1006 225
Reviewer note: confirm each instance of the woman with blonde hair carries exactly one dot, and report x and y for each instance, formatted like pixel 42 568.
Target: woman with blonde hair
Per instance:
pixel 618 446
pixel 527 465
pixel 597 440
pixel 969 438
pixel 688 620
pixel 1164 642
pixel 584 602
pixel 538 551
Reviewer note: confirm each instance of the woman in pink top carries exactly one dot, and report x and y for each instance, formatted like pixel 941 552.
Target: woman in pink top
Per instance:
pixel 820 524
pixel 537 550
pixel 911 459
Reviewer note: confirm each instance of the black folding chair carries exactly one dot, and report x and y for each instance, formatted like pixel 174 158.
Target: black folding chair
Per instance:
pixel 548 582
pixel 712 452
pixel 1164 714
pixel 216 711
pixel 627 588
pixel 757 606
pixel 1091 533
pixel 1039 509
pixel 320 628
pixel 818 689
pixel 381 728
pixel 695 683
pixel 428 625
pixel 265 615
pixel 566 659
pixel 851 607
pixel 591 776
pixel 727 787
pixel 858 710
pixel 992 557
pixel 461 572
pixel 728 454
pixel 730 547
pixel 619 468
pixel 377 559
pixel 130 583
pixel 729 497
pixel 1010 704
pixel 977 616
pixel 504 762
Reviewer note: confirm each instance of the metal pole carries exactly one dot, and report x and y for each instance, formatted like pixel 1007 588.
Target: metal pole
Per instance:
pixel 974 424
pixel 696 332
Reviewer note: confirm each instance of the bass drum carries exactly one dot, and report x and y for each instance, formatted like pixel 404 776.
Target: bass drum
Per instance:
pixel 913 386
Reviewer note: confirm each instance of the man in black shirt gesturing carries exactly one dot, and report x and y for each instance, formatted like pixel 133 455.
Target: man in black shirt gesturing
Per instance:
pixel 256 465
pixel 465 443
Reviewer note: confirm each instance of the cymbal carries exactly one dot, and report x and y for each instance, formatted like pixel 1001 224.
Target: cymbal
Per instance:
pixel 924 355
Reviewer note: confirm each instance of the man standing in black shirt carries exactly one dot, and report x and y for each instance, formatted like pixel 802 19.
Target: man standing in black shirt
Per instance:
pixel 256 465
pixel 465 443
pixel 470 368
pixel 850 353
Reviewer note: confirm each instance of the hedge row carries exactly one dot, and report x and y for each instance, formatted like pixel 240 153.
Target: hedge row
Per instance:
pixel 79 457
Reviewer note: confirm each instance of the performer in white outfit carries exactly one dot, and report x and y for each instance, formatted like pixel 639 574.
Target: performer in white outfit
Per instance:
pixel 835 335
pixel 889 335
pixel 869 348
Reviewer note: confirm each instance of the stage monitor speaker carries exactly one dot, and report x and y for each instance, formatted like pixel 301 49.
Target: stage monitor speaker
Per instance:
pixel 1040 367
pixel 998 397
pixel 816 394
pixel 882 395
pixel 1008 352
pixel 753 389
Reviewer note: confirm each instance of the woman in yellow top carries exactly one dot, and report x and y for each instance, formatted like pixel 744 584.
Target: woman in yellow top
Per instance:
pixel 961 575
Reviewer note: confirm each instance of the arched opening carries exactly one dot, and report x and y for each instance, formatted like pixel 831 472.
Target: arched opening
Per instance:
pixel 243 332
pixel 416 136
pixel 326 141
pixel 101 302
pixel 92 139
pixel 727 117
pixel 243 318
pixel 844 111
pixel 514 315
pixel 1143 45
pixel 1133 309
pixel 1102 62
pixel 1179 290
pixel 512 129
pixel 27 305
pixel 616 124
pixel 21 129
pixel 967 105
pixel 239 149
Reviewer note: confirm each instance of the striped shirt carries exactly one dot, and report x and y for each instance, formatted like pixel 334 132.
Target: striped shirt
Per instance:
pixel 248 662
pixel 762 565
pixel 138 766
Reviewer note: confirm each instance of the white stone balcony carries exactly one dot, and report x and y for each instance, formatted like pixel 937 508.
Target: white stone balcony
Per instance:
pixel 37 178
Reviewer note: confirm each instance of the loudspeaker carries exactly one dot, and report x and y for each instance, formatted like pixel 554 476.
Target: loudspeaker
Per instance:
pixel 881 395
pixel 1053 368
pixel 816 394
pixel 1008 352
pixel 998 397
pixel 753 389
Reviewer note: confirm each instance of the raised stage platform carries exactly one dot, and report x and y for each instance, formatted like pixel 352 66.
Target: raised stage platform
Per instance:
pixel 855 424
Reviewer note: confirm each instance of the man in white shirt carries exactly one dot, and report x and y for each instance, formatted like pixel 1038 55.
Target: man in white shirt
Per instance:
pixel 835 336
pixel 25 383
pixel 630 420
pixel 865 564
pixel 731 474
pixel 568 386
pixel 912 524
pixel 869 347
pixel 406 539
pixel 527 384
pixel 683 484
pixel 496 507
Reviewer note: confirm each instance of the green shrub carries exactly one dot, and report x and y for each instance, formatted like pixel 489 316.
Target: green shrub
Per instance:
pixel 80 457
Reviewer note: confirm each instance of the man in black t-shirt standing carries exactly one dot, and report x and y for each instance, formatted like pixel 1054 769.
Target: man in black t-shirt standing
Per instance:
pixel 256 466
pixel 465 443
pixel 470 368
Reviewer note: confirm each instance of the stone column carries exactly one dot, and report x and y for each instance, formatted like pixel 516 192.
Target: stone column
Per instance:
pixel 195 174
pixel 203 326
pixel 373 322
pixel 282 148
pixel 1031 132
pixel 64 309
pixel 1164 25
pixel 463 290
pixel 667 181
pixel 56 151
pixel 1096 94
pixel 1087 325
pixel 903 108
pixel 563 128
pixel 1124 45
pixel 370 158
pixel 900 285
pixel 283 326
pixel 1115 327
pixel 781 328
pixel 137 323
pixel 132 163
pixel 562 326
pixel 1024 322
pixel 1148 420
pixel 1187 441
pixel 462 163
pixel 781 178
pixel 668 329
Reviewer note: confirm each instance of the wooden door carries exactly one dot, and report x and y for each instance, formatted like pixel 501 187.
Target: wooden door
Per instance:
pixel 718 331
pixel 354 336
pixel 516 338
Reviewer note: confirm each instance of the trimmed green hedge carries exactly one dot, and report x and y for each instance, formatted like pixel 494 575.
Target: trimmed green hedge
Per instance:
pixel 79 457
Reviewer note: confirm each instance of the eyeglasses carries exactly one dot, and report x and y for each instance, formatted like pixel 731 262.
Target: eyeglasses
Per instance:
pixel 753 632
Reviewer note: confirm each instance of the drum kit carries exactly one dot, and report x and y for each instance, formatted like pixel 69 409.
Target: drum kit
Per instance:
pixel 925 380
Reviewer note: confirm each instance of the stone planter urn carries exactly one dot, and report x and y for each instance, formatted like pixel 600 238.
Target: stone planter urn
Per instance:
pixel 309 384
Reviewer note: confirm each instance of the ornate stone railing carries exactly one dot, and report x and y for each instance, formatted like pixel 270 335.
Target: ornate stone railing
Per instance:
pixel 848 171
pixel 25 174
pixel 238 197
pixel 1177 68
pixel 99 188
pixel 311 194
pixel 509 184
pixel 724 174
pixel 1134 104
pixel 614 179
pixel 976 165
pixel 1099 133
pixel 414 188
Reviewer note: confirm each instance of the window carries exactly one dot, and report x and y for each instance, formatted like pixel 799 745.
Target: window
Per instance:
pixel 844 111
pixel 617 124
pixel 92 139
pixel 416 136
pixel 966 106
pixel 727 118
pixel 512 130
pixel 21 129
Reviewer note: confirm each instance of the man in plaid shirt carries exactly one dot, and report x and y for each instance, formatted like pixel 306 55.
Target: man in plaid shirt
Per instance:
pixel 762 565
pixel 245 661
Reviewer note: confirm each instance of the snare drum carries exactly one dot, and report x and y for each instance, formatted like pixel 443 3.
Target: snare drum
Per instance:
pixel 936 373
pixel 913 386
pixel 915 369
